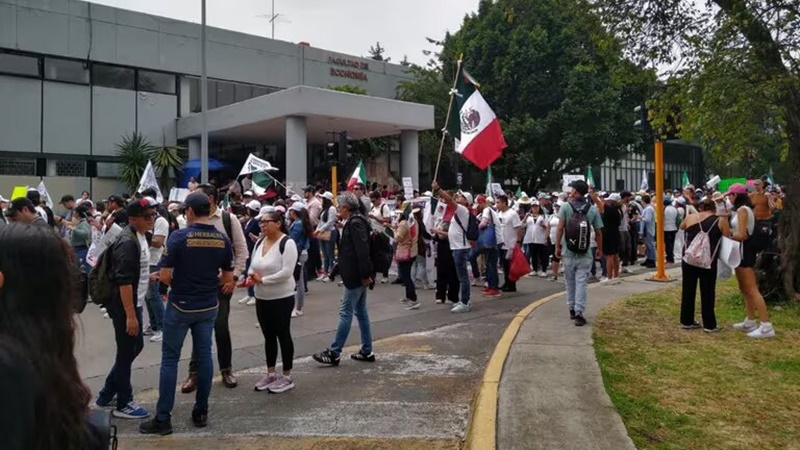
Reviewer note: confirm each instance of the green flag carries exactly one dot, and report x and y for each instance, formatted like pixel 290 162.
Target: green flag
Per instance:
pixel 519 191
pixel 465 86
pixel 590 177
pixel 685 180
pixel 261 181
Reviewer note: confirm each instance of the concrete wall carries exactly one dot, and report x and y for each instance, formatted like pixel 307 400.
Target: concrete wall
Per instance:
pixel 66 123
pixel 20 114
pixel 116 117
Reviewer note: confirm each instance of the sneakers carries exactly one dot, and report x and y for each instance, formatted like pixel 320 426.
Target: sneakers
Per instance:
pixel 604 280
pixel 148 331
pixel 476 282
pixel 360 356
pixel 712 330
pixel 571 314
pixel 461 307
pixel 156 426
pixel 297 313
pixel 747 325
pixel 131 411
pixel 542 274
pixel 282 384
pixel 100 403
pixel 763 332
pixel 323 278
pixel 251 302
pixel 693 326
pixel 492 293
pixel 245 300
pixel 405 301
pixel 266 380
pixel 384 281
pixel 627 270
pixel 579 320
pixel 157 337
pixel 411 305
pixel 103 310
pixel 439 301
pixel 327 357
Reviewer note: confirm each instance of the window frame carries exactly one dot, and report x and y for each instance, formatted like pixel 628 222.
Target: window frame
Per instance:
pixel 87 69
pixel 39 65
pixel 112 66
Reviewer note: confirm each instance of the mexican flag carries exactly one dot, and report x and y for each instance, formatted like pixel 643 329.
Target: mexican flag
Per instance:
pixel 685 180
pixel 259 168
pixel 261 182
pixel 472 123
pixel 360 174
pixel 590 177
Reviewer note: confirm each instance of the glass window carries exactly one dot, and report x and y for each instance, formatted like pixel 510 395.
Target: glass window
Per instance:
pixel 243 92
pixel 194 94
pixel 66 70
pixel 17 166
pixel 113 77
pixel 19 64
pixel 225 94
pixel 162 83
pixel 108 170
pixel 211 88
pixel 258 91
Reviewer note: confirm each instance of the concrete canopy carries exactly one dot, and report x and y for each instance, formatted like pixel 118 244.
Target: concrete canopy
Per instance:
pixel 264 118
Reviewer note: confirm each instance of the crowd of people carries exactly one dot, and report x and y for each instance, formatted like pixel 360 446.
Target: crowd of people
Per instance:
pixel 172 268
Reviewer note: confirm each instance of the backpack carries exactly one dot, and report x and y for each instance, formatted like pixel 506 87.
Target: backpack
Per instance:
pixel 100 285
pixel 578 229
pixel 471 232
pixel 380 252
pixel 699 254
pixel 226 223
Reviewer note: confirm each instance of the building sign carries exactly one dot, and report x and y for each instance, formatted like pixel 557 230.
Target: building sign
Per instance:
pixel 348 65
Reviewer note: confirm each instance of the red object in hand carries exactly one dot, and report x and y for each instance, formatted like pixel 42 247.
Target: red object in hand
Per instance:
pixel 242 283
pixel 519 265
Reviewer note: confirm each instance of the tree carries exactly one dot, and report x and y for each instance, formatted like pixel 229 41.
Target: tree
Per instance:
pixel 735 79
pixel 134 151
pixel 376 52
pixel 349 88
pixel 405 62
pixel 556 80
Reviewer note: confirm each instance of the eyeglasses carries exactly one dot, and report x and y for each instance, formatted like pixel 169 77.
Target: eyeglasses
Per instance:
pixel 264 222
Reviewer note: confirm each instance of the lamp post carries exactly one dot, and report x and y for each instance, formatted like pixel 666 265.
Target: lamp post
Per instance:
pixel 203 97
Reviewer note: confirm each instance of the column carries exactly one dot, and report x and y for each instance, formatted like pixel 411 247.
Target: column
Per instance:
pixel 194 148
pixel 409 156
pixel 296 152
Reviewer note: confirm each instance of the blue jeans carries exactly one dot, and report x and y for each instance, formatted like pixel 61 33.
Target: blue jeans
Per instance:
pixel 353 301
pixel 461 258
pixel 80 256
pixel 650 247
pixel 176 325
pixel 327 251
pixel 118 381
pixel 602 263
pixel 155 306
pixel 576 275
pixel 491 268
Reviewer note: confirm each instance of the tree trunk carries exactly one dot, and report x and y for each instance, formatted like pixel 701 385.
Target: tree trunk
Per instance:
pixel 790 216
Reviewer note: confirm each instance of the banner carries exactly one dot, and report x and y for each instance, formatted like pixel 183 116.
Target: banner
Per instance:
pixel 178 194
pixel 99 247
pixel 149 181
pixel 256 164
pixel 408 187
pixel 44 194
pixel 566 180
pixel 19 192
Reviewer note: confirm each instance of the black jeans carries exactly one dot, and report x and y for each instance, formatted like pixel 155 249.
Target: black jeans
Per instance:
pixel 669 242
pixel 447 286
pixel 404 269
pixel 634 254
pixel 128 348
pixel 506 263
pixel 274 318
pixel 539 257
pixel 222 335
pixel 708 281
pixel 314 262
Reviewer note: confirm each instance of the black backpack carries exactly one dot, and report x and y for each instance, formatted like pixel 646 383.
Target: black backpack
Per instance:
pixel 380 251
pixel 100 285
pixel 578 229
pixel 471 232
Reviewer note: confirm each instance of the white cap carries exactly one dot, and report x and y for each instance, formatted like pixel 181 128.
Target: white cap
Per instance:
pixel 248 193
pixel 296 198
pixel 467 196
pixel 265 210
pixel 328 195
pixel 297 206
pixel 427 194
pixel 615 197
pixel 255 205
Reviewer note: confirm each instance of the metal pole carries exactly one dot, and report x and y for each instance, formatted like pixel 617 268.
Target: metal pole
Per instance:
pixel 203 98
pixel 272 19
pixel 659 201
pixel 334 182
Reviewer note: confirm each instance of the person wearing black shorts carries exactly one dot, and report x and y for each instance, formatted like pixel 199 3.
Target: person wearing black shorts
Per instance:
pixel 612 219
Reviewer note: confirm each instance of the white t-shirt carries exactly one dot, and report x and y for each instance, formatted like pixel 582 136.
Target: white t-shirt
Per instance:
pixel 670 216
pixel 276 270
pixel 382 211
pixel 553 228
pixel 455 233
pixel 511 221
pixel 160 228
pixel 539 232
pixel 144 270
pixel 490 214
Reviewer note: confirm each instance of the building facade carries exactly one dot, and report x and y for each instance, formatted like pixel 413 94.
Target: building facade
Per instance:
pixel 76 77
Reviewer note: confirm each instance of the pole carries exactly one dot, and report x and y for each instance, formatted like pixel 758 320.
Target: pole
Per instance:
pixel 272 20
pixel 660 245
pixel 334 182
pixel 203 98
pixel 446 121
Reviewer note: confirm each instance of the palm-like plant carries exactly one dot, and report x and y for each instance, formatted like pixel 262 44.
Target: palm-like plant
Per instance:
pixel 135 151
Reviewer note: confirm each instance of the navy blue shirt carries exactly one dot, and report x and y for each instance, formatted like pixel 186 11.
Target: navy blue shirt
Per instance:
pixel 196 254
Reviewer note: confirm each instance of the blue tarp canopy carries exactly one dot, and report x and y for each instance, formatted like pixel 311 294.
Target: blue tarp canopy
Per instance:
pixel 192 169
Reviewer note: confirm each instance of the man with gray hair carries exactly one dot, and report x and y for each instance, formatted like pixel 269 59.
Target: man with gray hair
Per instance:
pixel 355 267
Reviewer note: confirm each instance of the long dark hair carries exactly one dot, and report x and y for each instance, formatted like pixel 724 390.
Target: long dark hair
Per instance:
pixel 36 314
pixel 326 208
pixel 302 216
pixel 742 200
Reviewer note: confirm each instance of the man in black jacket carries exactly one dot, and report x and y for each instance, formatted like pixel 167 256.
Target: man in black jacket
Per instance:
pixel 129 275
pixel 355 267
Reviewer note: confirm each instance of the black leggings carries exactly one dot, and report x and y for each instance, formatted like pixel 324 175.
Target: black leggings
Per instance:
pixel 708 282
pixel 274 317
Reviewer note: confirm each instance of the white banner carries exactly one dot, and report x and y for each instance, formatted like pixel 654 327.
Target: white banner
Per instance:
pixel 566 180
pixel 44 195
pixel 149 181
pixel 256 164
pixel 408 187
pixel 178 194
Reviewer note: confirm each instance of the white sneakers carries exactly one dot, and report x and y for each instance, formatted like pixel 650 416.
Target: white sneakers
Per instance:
pixel 297 313
pixel 157 337
pixel 245 299
pixel 626 270
pixel 251 302
pixel 747 325
pixel 461 308
pixel 753 330
pixel 542 274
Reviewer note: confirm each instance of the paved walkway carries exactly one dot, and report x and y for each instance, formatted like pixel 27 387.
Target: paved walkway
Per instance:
pixel 551 393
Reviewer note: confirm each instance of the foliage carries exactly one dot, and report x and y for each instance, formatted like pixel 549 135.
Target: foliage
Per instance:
pixel 135 151
pixel 349 88
pixel 734 81
pixel 376 52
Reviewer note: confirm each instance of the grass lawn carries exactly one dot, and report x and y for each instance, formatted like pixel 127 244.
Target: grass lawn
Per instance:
pixel 678 389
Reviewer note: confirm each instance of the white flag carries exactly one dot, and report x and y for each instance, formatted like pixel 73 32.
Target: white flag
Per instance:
pixel 644 186
pixel 44 195
pixel 256 164
pixel 149 181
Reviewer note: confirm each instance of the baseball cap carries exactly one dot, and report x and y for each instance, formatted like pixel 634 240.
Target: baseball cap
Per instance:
pixel 116 199
pixel 542 196
pixel 736 189
pixel 265 210
pixel 138 207
pixel 467 196
pixel 18 204
pixel 296 198
pixel 199 202
pixel 615 197
pixel 328 195
pixel 173 207
pixel 480 199
pixel 248 193
pixel 255 205
pixel 297 206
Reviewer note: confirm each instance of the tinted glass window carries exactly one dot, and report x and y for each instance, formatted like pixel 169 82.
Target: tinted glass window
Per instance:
pixel 243 92
pixel 19 65
pixel 258 91
pixel 225 94
pixel 113 77
pixel 65 70
pixel 163 83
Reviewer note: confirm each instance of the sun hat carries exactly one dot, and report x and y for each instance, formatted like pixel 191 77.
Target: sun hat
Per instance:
pixel 524 199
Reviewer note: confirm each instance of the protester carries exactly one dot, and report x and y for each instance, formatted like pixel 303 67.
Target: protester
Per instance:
pixel 380 218
pixel 314 208
pixel 552 227
pixel 535 240
pixel 357 274
pixel 419 270
pixel 490 219
pixel 3 206
pixel 22 210
pixel 671 224
pixel 458 216
pixel 407 235
pixel 569 243
pixel 45 402
pixel 251 231
pixel 327 234
pixel 612 218
pixel 197 259
pixel 705 222
pixel 648 232
pixel 80 235
pixel 154 303
pixel 300 230
pixel 625 243
pixel 129 276
pixel 511 229
pixel 447 285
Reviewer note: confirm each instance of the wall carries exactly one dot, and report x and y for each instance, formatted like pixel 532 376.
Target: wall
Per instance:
pixel 66 122
pixel 20 114
pixel 115 117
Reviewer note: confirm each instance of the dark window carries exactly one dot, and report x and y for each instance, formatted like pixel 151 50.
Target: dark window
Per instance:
pixel 66 70
pixel 243 92
pixel 211 88
pixel 225 94
pixel 162 83
pixel 19 64
pixel 258 91
pixel 113 77
pixel 194 94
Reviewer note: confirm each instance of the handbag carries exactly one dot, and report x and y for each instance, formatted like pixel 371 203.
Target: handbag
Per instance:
pixel 487 237
pixel 519 265
pixel 402 254
pixel 730 252
pixel 324 236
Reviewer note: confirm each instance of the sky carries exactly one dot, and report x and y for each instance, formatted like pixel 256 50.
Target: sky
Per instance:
pixel 347 26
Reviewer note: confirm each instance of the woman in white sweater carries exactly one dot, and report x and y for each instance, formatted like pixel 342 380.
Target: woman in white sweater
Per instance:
pixel 271 272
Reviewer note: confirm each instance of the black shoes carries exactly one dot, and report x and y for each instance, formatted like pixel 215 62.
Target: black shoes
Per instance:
pixel 571 314
pixel 156 426
pixel 693 326
pixel 360 356
pixel 200 419
pixel 508 289
pixel 579 320
pixel 327 357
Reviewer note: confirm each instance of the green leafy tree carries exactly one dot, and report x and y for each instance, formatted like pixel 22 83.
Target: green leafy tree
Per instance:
pixel 349 88
pixel 134 151
pixel 377 52
pixel 734 77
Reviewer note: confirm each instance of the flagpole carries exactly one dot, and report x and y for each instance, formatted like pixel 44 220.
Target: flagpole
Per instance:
pixel 447 119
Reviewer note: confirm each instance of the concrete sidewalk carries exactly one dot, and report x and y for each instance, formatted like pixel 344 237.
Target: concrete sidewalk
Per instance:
pixel 551 393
